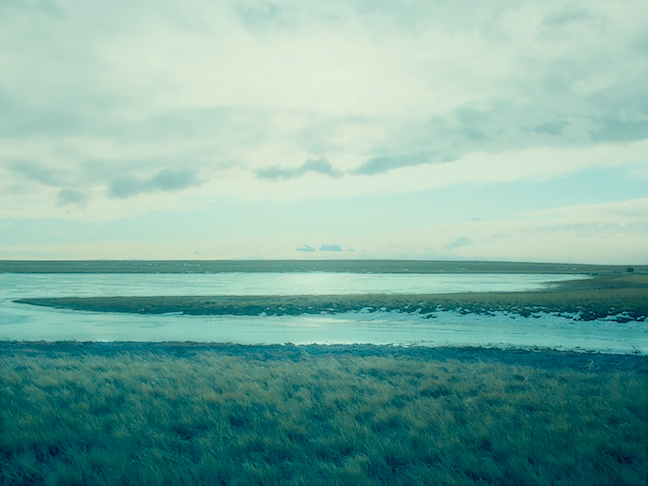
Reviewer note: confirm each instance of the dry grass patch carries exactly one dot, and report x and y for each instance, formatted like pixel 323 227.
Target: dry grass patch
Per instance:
pixel 143 417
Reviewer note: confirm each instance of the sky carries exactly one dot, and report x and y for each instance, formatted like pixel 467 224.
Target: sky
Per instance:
pixel 307 129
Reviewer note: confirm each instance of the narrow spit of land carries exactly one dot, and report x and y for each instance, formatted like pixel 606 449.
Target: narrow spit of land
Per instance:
pixel 594 298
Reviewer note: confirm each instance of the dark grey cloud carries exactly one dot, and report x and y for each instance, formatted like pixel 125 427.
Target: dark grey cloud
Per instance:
pixel 551 127
pixel 174 180
pixel 330 247
pixel 568 16
pixel 166 180
pixel 622 114
pixel 125 187
pixel 378 165
pixel 616 129
pixel 317 166
pixel 34 5
pixel 489 126
pixel 38 172
pixel 262 16
pixel 71 197
pixel 305 248
pixel 498 125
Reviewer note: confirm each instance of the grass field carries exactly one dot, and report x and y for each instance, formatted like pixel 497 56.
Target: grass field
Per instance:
pixel 121 413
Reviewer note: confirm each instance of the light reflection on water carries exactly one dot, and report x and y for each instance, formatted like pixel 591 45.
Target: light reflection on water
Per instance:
pixel 31 323
pixel 315 283
pixel 24 322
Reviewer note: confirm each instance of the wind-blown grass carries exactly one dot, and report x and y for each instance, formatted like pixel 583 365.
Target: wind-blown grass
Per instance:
pixel 162 414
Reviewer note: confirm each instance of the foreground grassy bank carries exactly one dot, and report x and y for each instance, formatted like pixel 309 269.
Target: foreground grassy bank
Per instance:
pixel 594 298
pixel 216 414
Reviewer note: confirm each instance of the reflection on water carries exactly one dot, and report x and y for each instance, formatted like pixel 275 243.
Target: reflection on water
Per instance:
pixel 24 322
pixel 16 286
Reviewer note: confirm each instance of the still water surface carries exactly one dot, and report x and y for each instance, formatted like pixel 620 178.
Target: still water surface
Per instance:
pixel 16 285
pixel 24 322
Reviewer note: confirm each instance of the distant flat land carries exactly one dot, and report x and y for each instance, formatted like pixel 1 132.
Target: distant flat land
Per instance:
pixel 337 266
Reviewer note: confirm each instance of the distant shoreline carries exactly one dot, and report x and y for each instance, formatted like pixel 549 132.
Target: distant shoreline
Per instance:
pixel 334 266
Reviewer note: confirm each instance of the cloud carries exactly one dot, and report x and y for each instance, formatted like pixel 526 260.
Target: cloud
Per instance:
pixel 568 17
pixel 327 247
pixel 614 128
pixel 37 172
pixel 255 93
pixel 323 247
pixel 556 127
pixel 166 180
pixel 379 165
pixel 317 166
pixel 70 197
pixel 467 89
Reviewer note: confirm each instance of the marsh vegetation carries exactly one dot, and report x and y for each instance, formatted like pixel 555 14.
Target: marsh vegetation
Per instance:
pixel 101 413
pixel 592 298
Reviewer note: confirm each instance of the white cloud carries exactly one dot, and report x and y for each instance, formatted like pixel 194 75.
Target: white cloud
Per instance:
pixel 325 100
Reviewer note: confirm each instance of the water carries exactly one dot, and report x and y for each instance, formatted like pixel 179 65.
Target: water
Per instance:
pixel 239 283
pixel 24 322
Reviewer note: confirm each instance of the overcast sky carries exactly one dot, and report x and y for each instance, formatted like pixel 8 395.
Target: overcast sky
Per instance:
pixel 498 130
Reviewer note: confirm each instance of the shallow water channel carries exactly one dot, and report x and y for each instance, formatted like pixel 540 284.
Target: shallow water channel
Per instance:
pixel 25 322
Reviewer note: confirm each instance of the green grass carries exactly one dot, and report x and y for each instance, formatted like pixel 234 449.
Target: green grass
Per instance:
pixel 206 414
pixel 593 298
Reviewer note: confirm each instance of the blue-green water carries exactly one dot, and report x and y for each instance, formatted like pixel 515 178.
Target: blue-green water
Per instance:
pixel 25 322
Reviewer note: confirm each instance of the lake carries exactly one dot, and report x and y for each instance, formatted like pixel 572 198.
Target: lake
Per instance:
pixel 16 285
pixel 25 322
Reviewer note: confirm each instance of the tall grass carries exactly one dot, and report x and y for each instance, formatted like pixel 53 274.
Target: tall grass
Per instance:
pixel 145 417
